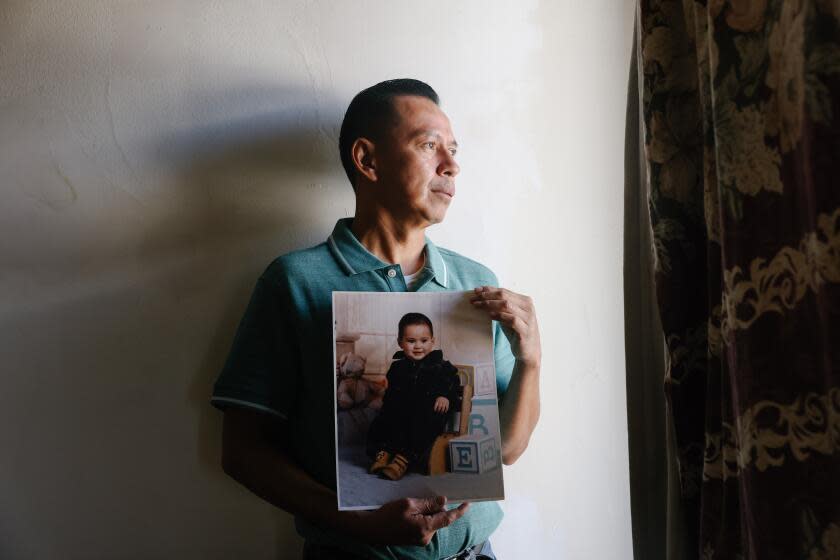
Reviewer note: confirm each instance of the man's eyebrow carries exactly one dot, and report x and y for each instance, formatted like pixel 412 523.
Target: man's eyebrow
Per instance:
pixel 424 132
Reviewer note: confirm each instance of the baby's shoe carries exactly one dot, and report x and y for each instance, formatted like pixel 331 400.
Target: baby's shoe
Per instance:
pixel 396 468
pixel 382 460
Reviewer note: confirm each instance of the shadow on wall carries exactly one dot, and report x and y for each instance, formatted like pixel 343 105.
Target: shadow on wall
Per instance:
pixel 258 186
pixel 138 323
pixel 249 189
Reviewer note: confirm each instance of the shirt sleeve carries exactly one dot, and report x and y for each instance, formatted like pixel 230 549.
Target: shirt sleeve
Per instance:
pixel 503 356
pixel 502 352
pixel 260 372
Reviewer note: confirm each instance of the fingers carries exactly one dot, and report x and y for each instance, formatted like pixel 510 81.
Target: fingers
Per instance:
pixel 500 300
pixel 411 521
pixel 516 314
pixel 481 297
pixel 447 518
pixel 429 515
pixel 489 293
pixel 434 505
pixel 510 320
pixel 440 520
pixel 502 306
pixel 441 404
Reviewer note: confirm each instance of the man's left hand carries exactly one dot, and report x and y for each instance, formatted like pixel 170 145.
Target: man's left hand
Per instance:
pixel 518 317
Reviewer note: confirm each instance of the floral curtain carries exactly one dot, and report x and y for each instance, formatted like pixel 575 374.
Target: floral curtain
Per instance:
pixel 741 104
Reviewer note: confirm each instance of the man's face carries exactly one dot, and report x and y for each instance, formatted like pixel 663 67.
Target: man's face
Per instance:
pixel 416 162
pixel 417 341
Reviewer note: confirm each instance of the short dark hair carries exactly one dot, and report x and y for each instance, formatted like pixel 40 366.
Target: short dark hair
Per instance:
pixel 414 319
pixel 372 111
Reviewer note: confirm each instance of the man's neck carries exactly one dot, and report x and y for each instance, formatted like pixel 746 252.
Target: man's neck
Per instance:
pixel 390 240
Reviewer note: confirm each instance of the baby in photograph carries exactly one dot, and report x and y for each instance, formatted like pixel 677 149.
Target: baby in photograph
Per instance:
pixel 422 388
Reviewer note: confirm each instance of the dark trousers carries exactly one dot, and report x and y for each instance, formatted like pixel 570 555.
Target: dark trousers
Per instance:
pixel 410 432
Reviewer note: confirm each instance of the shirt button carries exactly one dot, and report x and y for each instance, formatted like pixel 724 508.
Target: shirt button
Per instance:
pixel 392 273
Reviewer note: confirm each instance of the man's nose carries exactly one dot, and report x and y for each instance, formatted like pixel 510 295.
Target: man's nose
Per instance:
pixel 448 166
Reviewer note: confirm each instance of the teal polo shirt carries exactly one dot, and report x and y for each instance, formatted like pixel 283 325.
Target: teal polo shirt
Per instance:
pixel 281 363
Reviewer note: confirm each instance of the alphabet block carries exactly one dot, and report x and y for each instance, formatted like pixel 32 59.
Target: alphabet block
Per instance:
pixel 475 454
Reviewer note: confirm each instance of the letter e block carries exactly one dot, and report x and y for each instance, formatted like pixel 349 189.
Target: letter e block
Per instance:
pixel 473 454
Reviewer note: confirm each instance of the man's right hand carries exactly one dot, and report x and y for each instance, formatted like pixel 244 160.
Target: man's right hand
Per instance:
pixel 410 521
pixel 252 456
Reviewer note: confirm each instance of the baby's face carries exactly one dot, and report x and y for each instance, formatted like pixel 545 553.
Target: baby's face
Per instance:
pixel 417 341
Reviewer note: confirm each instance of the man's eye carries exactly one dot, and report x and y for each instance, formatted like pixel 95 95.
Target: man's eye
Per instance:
pixel 430 145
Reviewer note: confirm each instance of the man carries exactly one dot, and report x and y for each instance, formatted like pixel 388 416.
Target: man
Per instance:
pixel 276 388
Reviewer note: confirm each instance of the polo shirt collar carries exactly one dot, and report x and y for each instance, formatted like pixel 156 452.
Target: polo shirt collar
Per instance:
pixel 436 263
pixel 354 258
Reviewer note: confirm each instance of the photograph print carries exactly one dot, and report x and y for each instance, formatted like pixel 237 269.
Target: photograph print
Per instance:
pixel 415 399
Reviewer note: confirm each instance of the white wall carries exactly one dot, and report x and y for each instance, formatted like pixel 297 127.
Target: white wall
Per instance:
pixel 154 156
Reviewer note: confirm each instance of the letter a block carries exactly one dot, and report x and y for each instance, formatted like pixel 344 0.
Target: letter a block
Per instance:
pixel 475 454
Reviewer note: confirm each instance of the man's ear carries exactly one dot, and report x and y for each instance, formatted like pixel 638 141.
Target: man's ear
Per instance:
pixel 362 153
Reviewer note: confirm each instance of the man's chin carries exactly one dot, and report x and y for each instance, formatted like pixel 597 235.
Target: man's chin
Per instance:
pixel 437 216
pixel 427 216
